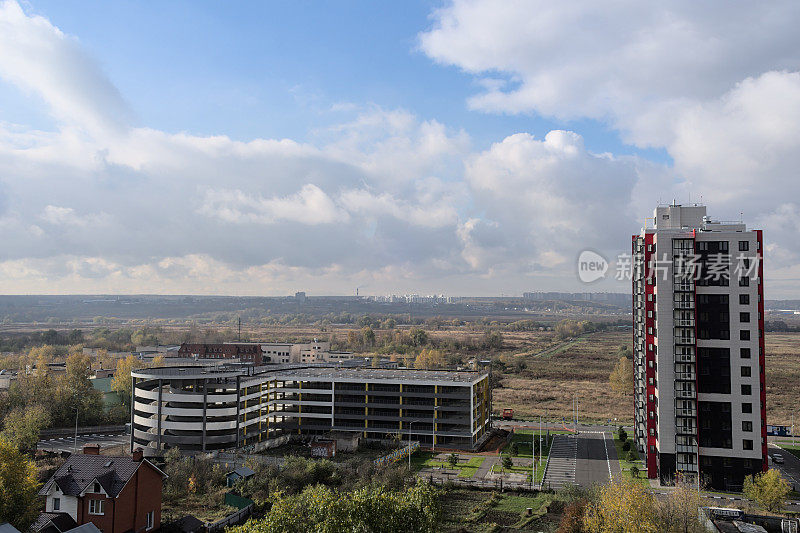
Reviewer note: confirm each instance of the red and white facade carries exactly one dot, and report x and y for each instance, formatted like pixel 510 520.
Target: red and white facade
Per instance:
pixel 698 344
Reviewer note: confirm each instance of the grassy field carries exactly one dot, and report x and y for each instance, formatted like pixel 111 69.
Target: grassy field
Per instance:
pixel 427 460
pixel 582 367
pixel 468 511
pixel 626 465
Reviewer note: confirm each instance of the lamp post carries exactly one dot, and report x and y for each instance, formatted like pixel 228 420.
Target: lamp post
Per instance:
pixel 433 431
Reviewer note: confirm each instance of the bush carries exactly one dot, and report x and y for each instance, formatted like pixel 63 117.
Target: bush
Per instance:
pixel 623 435
pixel 626 446
pixel 635 471
pixel 631 456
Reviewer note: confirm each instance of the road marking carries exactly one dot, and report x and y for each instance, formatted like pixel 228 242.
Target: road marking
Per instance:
pixel 608 462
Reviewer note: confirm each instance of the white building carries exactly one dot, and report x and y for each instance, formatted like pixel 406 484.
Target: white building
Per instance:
pixel 698 316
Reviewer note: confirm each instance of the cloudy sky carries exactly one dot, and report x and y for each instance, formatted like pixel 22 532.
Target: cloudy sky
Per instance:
pixel 471 147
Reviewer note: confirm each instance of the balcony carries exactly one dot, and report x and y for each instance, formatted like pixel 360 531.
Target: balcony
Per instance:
pixel 686 448
pixel 686 467
pixel 684 322
pixel 691 413
pixel 685 376
pixel 684 303
pixel 685 394
pixel 684 339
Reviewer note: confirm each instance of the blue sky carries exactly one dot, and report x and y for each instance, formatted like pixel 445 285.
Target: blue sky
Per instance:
pixel 280 69
pixel 458 147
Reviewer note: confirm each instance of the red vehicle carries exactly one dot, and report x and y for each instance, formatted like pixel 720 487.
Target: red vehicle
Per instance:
pixel 508 414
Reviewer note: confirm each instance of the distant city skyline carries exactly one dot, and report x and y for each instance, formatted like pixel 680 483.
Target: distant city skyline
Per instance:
pixel 462 147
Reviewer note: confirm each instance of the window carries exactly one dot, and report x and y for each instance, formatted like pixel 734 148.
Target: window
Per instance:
pixel 747 390
pixel 96 507
pixel 96 487
pixel 744 317
pixel 150 520
pixel 744 246
pixel 744 281
pixel 744 335
pixel 747 444
pixel 56 504
pixel 744 299
pixel 747 425
pixel 746 372
pixel 744 353
pixel 747 407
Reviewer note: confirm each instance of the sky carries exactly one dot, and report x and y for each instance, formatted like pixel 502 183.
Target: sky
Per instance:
pixel 460 148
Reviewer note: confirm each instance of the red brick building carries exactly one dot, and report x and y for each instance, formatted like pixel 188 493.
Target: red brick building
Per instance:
pixel 116 494
pixel 245 352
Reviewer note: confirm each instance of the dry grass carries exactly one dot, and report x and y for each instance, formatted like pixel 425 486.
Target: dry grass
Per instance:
pixel 549 382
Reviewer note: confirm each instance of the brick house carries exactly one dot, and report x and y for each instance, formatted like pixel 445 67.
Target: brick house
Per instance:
pixel 245 352
pixel 116 494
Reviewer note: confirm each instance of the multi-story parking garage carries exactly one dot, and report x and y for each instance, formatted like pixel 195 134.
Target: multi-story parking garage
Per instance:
pixel 201 408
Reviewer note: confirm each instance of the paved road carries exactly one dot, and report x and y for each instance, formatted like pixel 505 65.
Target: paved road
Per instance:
pixel 67 444
pixel 594 459
pixel 561 465
pixel 790 467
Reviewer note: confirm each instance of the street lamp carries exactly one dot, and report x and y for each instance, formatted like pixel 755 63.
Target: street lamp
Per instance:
pixel 433 432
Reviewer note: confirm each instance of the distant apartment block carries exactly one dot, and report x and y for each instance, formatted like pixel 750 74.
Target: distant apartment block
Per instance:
pixel 200 408
pixel 698 338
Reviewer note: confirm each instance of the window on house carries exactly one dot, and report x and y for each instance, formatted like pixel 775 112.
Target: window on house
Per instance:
pixel 744 281
pixel 96 507
pixel 744 317
pixel 747 407
pixel 747 390
pixel 744 335
pixel 744 299
pixel 747 425
pixel 150 520
pixel 56 504
pixel 746 372
pixel 744 353
pixel 96 487
pixel 747 444
pixel 744 246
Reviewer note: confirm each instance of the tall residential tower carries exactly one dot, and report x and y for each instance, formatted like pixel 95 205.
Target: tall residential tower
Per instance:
pixel 698 345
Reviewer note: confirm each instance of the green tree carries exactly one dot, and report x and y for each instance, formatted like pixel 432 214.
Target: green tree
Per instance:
pixel 19 503
pixel 507 462
pixel 371 509
pixel 768 489
pixel 452 459
pixel 23 425
pixel 368 336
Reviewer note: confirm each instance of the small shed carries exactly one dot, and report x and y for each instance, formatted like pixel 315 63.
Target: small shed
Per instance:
pixel 240 472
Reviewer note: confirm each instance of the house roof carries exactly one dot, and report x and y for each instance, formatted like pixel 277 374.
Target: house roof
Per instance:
pixel 54 522
pixel 242 471
pixel 5 527
pixel 112 473
pixel 189 524
pixel 88 527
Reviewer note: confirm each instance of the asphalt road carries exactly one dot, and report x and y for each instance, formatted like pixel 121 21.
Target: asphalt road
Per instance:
pixel 68 444
pixel 790 467
pixel 596 459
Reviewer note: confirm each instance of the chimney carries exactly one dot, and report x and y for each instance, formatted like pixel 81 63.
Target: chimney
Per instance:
pixel 91 449
pixel 137 455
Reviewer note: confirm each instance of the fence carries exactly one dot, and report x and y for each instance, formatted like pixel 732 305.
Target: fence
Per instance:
pixel 488 484
pixel 230 520
pixel 397 455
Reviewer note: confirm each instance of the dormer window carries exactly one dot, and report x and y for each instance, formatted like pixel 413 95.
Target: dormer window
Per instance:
pixel 96 487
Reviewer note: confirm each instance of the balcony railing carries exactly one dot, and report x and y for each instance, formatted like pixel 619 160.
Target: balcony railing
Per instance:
pixel 685 376
pixel 686 467
pixel 686 448
pixel 685 394
pixel 692 413
pixel 684 322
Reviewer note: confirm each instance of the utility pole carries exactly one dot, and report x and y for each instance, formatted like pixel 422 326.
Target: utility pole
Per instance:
pixel 75 442
pixel 792 429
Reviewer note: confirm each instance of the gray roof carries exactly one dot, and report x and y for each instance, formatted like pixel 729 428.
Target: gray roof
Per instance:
pixel 112 473
pixel 54 522
pixel 242 472
pixel 88 527
pixel 382 374
pixel 5 527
